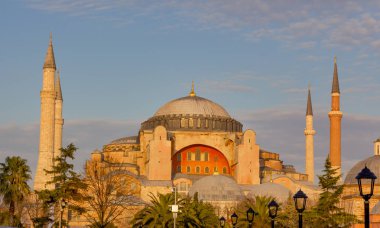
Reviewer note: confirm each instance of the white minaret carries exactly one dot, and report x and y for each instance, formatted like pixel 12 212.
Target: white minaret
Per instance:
pixel 309 140
pixel 47 121
pixel 58 117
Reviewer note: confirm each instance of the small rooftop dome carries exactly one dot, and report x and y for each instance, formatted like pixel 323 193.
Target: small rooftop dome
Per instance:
pixel 277 191
pixel 376 209
pixel 216 188
pixel 373 163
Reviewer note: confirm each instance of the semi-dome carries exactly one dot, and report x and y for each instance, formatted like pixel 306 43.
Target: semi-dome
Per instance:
pixel 192 105
pixel 373 163
pixel 277 191
pixel 216 188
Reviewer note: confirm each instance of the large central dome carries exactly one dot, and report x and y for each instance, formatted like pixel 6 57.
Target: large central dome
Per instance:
pixel 192 105
pixel 192 113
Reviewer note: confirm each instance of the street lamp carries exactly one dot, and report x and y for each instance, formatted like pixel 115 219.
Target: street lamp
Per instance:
pixel 175 206
pixel 234 219
pixel 63 205
pixel 366 175
pixel 273 208
pixel 300 202
pixel 250 216
pixel 222 221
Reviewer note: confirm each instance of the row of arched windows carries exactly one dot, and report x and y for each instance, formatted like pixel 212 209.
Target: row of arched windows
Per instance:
pixel 198 169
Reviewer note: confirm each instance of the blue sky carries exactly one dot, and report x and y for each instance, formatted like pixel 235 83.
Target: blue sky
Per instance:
pixel 121 60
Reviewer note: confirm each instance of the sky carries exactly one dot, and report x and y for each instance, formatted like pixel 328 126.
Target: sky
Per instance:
pixel 120 60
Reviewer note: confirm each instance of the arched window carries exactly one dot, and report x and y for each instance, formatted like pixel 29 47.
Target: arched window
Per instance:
pixel 207 169
pixel 206 156
pixel 188 169
pixel 189 156
pixel 197 155
pixel 224 170
pixel 179 157
pixel 197 169
pixel 179 169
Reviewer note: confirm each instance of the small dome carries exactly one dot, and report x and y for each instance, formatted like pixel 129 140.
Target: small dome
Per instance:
pixel 277 191
pixel 373 163
pixel 192 105
pixel 126 140
pixel 216 188
pixel 376 209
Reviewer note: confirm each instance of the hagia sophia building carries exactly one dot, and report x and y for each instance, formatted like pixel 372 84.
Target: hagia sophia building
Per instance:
pixel 195 145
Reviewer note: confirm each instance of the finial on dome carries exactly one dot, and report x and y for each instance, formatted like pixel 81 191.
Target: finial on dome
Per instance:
pixel 192 93
pixel 334 59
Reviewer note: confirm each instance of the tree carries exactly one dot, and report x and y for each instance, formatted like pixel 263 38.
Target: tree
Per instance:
pixel 196 213
pixel 157 214
pixel 14 175
pixel 193 213
pixel 67 183
pixel 327 212
pixel 260 205
pixel 110 190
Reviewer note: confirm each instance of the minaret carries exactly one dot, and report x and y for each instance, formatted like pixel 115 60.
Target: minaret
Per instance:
pixel 376 147
pixel 47 121
pixel 309 140
pixel 335 116
pixel 58 117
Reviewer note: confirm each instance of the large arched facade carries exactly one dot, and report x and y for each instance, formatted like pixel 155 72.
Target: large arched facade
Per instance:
pixel 200 159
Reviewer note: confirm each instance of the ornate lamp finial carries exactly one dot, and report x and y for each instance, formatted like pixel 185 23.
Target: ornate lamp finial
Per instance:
pixel 334 59
pixel 192 93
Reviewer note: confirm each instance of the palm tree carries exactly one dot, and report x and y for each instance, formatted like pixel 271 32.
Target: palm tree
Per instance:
pixel 196 213
pixel 157 214
pixel 14 175
pixel 260 205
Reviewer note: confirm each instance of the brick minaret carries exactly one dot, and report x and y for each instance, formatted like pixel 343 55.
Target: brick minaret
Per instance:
pixel 47 121
pixel 58 117
pixel 335 116
pixel 309 140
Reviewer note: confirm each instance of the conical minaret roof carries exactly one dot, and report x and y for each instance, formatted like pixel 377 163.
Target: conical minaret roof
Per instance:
pixel 58 86
pixel 49 58
pixel 335 84
pixel 309 108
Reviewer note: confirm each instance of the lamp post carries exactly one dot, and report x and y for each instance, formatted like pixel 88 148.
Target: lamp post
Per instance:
pixel 366 175
pixel 300 203
pixel 222 221
pixel 273 208
pixel 250 216
pixel 63 205
pixel 175 206
pixel 234 219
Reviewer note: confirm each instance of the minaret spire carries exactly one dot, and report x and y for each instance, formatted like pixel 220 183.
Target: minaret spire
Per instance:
pixel 192 93
pixel 309 107
pixel 49 58
pixel 335 84
pixel 335 116
pixel 58 86
pixel 309 140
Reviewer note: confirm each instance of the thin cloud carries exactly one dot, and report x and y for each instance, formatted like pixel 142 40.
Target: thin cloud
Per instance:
pixel 295 23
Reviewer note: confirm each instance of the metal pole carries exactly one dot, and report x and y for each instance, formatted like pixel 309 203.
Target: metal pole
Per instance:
pixel 60 218
pixel 272 222
pixel 175 203
pixel 366 213
pixel 300 220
